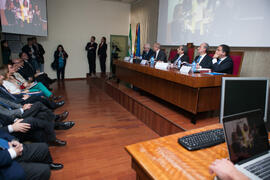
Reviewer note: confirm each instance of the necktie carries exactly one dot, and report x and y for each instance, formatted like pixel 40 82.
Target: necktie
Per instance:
pixel 218 61
pixel 3 144
pixel 199 58
pixel 178 59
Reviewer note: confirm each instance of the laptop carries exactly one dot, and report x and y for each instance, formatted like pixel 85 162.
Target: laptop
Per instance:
pixel 247 141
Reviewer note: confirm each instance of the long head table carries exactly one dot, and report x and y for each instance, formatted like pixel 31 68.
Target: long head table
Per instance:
pixel 193 92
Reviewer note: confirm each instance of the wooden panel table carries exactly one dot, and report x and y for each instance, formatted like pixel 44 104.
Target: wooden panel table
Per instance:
pixel 192 92
pixel 165 159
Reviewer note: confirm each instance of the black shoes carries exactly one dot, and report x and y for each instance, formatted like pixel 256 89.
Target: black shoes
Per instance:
pixel 57 142
pixel 64 125
pixel 55 98
pixel 56 166
pixel 62 117
pixel 59 104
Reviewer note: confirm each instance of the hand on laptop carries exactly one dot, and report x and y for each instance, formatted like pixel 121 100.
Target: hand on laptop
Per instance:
pixel 225 170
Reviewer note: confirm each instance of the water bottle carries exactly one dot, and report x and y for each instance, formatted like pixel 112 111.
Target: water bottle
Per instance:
pixel 131 58
pixel 152 61
pixel 178 64
pixel 194 64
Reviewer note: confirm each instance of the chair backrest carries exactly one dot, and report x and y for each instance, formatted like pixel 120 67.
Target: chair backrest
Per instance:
pixel 237 57
pixel 172 54
pixel 191 54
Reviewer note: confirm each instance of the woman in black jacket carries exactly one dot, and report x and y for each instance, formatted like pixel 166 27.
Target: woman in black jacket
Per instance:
pixel 102 54
pixel 60 59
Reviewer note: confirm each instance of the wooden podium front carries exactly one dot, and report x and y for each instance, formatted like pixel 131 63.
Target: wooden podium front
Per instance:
pixel 192 92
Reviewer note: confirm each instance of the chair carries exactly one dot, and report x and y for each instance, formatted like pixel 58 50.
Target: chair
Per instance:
pixel 237 58
pixel 173 53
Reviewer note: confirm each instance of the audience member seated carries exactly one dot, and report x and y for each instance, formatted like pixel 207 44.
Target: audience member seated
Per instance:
pixel 19 86
pixel 25 161
pixel 31 129
pixel 158 54
pixel 25 99
pixel 203 59
pixel 39 117
pixel 28 72
pixel 225 170
pixel 181 56
pixel 222 62
pixel 147 52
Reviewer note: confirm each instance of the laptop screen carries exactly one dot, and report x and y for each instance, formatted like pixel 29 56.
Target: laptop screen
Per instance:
pixel 246 135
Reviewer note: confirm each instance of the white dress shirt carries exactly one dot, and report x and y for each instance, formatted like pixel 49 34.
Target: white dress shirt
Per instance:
pixel 157 53
pixel 214 61
pixel 12 88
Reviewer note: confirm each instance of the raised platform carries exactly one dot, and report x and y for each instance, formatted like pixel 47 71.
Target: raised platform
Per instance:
pixel 162 117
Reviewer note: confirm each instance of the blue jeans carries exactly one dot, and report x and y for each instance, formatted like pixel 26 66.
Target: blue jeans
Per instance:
pixel 41 67
pixel 36 65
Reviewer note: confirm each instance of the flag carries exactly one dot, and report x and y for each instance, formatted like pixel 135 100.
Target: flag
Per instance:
pixel 130 42
pixel 137 45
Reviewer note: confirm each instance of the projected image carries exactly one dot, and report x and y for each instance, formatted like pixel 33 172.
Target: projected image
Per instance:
pixel 24 17
pixel 237 23
pixel 194 15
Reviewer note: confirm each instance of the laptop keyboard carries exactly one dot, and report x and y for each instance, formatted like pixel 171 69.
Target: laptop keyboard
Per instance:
pixel 260 168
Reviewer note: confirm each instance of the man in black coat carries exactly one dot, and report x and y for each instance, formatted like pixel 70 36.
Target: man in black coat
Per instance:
pixel 159 55
pixel 181 55
pixel 203 59
pixel 222 62
pixel 32 53
pixel 40 53
pixel 91 49
pixel 28 72
pixel 24 161
pixel 147 52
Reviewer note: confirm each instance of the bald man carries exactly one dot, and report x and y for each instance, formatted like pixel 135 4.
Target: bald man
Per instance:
pixel 203 59
pixel 147 52
pixel 159 55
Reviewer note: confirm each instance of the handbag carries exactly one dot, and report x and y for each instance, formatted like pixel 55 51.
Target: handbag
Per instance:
pixel 53 65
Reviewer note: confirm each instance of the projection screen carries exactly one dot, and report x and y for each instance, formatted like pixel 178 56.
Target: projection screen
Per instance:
pixel 27 17
pixel 239 23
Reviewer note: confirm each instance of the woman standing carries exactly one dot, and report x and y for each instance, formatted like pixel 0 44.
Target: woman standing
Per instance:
pixel 6 52
pixel 60 59
pixel 102 53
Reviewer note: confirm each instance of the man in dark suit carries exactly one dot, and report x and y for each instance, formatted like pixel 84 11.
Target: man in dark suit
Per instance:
pixel 147 52
pixel 25 99
pixel 203 59
pixel 29 73
pixel 181 55
pixel 40 53
pixel 222 62
pixel 42 121
pixel 159 55
pixel 91 49
pixel 25 161
pixel 31 51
